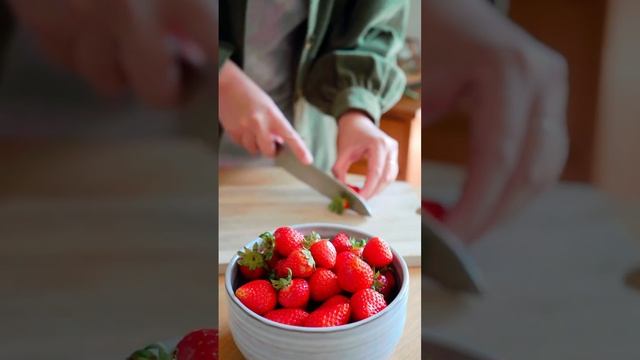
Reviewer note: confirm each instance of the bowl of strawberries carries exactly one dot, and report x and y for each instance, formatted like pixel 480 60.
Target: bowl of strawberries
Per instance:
pixel 317 291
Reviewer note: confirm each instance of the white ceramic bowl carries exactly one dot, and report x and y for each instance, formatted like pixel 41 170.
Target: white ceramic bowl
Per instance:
pixel 374 338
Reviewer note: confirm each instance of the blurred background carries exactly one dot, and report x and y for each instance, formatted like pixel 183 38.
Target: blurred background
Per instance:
pixel 108 214
pixel 598 40
pixel 562 277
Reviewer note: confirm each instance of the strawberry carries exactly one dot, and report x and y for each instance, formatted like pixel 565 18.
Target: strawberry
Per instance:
pixel 300 262
pixel 324 254
pixel 267 248
pixel 287 240
pixel 258 295
pixel 335 300
pixel 366 302
pixel 334 315
pixel 377 253
pixel 251 262
pixel 355 189
pixel 273 261
pixel 357 246
pixel 295 317
pixel 311 239
pixel 342 258
pixel 293 293
pixel 384 282
pixel 354 275
pixel 434 209
pixel 198 345
pixel 339 204
pixel 341 242
pixel 323 285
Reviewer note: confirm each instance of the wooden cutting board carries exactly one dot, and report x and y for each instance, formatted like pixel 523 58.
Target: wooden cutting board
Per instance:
pixel 253 200
pixel 555 281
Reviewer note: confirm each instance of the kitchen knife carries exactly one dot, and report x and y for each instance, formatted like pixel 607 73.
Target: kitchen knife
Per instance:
pixel 446 260
pixel 319 180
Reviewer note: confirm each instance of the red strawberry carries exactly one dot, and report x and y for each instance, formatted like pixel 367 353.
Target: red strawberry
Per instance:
pixel 335 300
pixel 354 188
pixel 329 316
pixel 258 295
pixel 342 258
pixel 384 283
pixel 339 204
pixel 273 261
pixel 377 253
pixel 323 285
pixel 251 263
pixel 287 240
pixel 341 242
pixel 267 248
pixel 324 254
pixel 198 345
pixel 281 269
pixel 295 317
pixel 435 209
pixel 366 302
pixel 293 293
pixel 355 275
pixel 357 246
pixel 300 262
pixel 310 239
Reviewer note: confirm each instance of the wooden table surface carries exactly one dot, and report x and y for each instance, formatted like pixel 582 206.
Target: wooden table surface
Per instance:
pixel 96 260
pixel 258 199
pixel 407 349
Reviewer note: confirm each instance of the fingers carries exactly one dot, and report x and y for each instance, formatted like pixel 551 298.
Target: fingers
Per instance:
pixel 248 141
pixel 290 137
pixel 498 130
pixel 343 163
pixel 95 60
pixel 376 164
pixel 149 65
pixel 266 144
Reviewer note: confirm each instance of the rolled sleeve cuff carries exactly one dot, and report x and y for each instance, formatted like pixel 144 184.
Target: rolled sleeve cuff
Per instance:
pixel 224 53
pixel 357 98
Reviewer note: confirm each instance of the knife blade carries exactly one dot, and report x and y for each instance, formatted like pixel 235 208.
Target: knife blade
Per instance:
pixel 446 260
pixel 320 181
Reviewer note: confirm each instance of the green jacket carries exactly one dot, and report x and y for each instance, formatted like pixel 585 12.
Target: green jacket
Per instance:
pixel 348 62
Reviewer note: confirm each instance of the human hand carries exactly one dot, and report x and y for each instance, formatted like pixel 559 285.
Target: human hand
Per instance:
pixel 358 138
pixel 252 119
pixel 124 44
pixel 515 91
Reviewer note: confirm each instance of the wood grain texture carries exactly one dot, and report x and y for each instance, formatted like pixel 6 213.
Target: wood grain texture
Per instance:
pixel 253 200
pixel 408 348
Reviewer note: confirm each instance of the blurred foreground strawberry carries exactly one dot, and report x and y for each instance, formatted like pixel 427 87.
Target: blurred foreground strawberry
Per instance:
pixel 197 345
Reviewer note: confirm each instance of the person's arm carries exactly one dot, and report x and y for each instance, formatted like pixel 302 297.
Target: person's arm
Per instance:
pixel 357 69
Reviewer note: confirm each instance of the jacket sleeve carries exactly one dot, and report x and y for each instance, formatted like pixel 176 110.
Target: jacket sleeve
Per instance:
pixel 356 67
